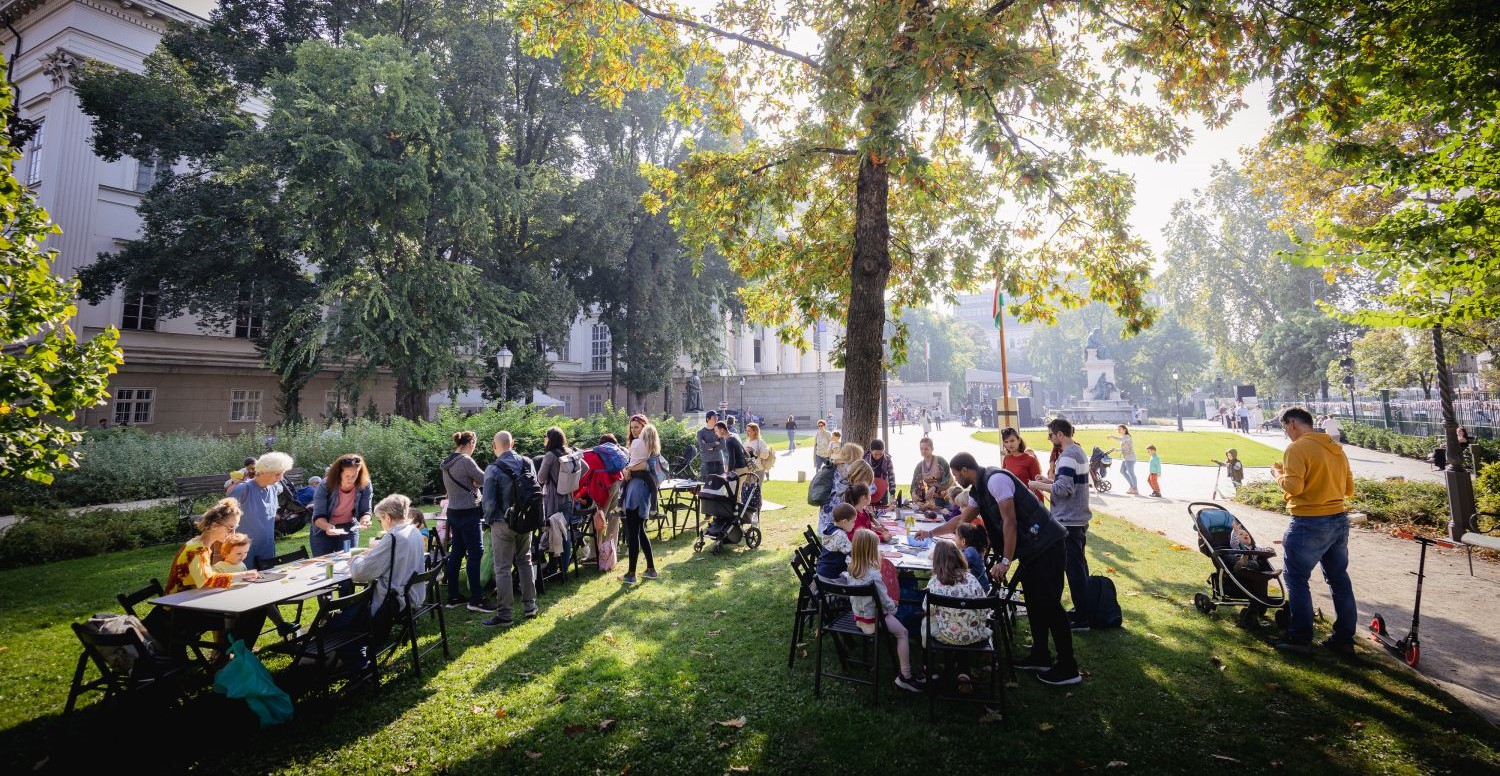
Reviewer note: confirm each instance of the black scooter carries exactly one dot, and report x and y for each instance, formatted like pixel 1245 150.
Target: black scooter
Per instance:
pixel 1409 647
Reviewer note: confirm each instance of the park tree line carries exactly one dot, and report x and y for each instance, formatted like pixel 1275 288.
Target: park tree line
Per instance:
pixel 398 186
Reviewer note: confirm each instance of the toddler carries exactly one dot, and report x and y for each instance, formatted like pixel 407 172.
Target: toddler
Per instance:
pixel 951 577
pixel 233 552
pixel 1236 469
pixel 972 542
pixel 1154 477
pixel 864 567
pixel 834 559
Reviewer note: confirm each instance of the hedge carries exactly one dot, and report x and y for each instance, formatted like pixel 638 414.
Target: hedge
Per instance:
pixel 128 464
pixel 1397 502
pixel 52 534
pixel 1407 446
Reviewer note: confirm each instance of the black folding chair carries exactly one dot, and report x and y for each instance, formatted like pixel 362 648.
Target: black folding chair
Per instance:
pixel 128 601
pixel 839 622
pixel 807 604
pixel 316 654
pixel 159 679
pixel 431 603
pixel 932 649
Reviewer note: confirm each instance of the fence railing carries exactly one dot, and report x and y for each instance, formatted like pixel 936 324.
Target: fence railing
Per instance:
pixel 1406 416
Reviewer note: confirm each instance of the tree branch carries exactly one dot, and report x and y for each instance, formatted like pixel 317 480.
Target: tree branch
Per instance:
pixel 805 152
pixel 746 39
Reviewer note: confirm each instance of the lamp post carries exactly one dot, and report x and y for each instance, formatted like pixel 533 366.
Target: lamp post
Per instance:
pixel 723 386
pixel 744 413
pixel 1177 398
pixel 503 360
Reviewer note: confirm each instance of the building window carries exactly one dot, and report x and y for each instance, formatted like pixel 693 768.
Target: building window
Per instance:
pixel 566 353
pixel 149 172
pixel 600 350
pixel 34 158
pixel 596 403
pixel 838 401
pixel 244 406
pixel 757 351
pixel 133 406
pixel 567 408
pixel 247 320
pixel 140 311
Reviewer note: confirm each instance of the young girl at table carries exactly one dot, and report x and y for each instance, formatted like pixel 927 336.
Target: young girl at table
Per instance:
pixel 233 552
pixel 864 567
pixel 951 577
pixel 972 541
pixel 858 496
pixel 833 561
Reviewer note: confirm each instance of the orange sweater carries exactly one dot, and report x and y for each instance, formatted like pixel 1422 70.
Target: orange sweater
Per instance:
pixel 191 569
pixel 1315 476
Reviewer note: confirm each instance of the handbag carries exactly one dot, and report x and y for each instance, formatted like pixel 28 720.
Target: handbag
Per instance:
pixel 384 618
pixel 245 677
pixel 820 490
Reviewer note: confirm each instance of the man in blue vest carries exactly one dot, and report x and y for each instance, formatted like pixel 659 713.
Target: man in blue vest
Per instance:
pixel 1022 530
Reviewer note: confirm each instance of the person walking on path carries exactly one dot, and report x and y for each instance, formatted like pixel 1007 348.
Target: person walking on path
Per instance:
pixel 1153 476
pixel 1315 479
pixel 462 482
pixel 1127 457
pixel 822 445
pixel 791 435
pixel 511 548
pixel 1070 507
pixel 1018 525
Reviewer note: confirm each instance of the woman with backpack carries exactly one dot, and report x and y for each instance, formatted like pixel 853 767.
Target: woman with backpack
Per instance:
pixel 557 494
pixel 462 481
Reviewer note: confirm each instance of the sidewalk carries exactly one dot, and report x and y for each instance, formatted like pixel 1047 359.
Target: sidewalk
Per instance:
pixel 6 521
pixel 1459 638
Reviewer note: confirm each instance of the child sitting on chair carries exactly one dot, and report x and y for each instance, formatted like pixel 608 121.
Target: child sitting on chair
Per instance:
pixel 951 577
pixel 859 495
pixel 833 561
pixel 864 567
pixel 233 552
pixel 972 541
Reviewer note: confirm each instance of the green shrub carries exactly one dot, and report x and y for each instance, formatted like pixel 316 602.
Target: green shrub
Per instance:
pixel 1487 488
pixel 1423 504
pixel 52 534
pixel 128 464
pixel 1407 446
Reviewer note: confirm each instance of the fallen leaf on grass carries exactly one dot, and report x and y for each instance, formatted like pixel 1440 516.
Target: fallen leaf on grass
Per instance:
pixel 500 713
pixel 737 722
pixel 1277 763
pixel 1044 727
pixel 405 767
pixel 1359 726
pixel 1314 738
pixel 609 636
pixel 991 715
pixel 605 724
pixel 1226 758
pixel 701 654
pixel 1116 764
pixel 718 612
pixel 713 633
pixel 573 730
pixel 1178 547
pixel 723 744
pixel 1111 569
pixel 534 755
pixel 1215 660
pixel 739 768
pixel 478 710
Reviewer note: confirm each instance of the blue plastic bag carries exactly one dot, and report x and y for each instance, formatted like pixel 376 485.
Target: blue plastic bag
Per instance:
pixel 246 677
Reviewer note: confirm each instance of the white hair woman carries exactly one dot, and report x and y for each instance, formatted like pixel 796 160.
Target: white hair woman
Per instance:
pixel 259 498
pixel 394 556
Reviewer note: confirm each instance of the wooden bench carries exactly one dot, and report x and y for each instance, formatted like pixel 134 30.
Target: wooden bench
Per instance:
pixel 1476 538
pixel 190 489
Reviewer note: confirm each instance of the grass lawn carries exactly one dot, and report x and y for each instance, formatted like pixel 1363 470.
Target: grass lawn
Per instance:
pixel 611 679
pixel 1196 448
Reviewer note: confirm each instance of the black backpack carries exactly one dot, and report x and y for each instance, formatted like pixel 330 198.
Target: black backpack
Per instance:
pixel 1104 607
pixel 526 511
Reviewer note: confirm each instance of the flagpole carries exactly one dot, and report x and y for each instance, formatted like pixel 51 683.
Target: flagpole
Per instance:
pixel 1005 411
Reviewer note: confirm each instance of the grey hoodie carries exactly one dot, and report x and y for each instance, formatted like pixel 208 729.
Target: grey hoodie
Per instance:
pixel 462 479
pixel 1070 488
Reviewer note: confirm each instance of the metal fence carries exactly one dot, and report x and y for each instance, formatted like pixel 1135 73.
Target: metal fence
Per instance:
pixel 1414 417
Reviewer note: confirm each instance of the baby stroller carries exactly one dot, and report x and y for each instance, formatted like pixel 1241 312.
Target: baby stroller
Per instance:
pixel 732 519
pixel 1099 467
pixel 1242 571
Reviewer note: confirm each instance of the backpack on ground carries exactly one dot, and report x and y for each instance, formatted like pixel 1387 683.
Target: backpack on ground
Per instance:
pixel 613 456
pixel 571 469
pixel 1104 607
pixel 525 512
pixel 820 490
pixel 122 658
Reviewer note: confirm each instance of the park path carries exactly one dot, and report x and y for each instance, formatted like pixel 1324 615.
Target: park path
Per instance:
pixel 1460 635
pixel 6 521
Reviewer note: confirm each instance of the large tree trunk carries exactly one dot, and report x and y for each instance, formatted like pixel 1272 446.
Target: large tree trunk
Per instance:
pixel 864 338
pixel 410 402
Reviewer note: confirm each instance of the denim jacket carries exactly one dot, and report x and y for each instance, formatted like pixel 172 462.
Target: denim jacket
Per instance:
pixel 323 501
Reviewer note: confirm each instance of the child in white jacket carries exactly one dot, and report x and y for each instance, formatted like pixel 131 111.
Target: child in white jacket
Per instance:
pixel 864 566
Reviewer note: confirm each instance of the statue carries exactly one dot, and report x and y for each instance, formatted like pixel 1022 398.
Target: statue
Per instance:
pixel 693 402
pixel 1103 388
pixel 1095 342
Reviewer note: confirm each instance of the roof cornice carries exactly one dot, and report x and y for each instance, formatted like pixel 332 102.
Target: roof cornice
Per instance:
pixel 151 14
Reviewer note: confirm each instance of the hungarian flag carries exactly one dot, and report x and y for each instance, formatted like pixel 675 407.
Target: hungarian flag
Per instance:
pixel 998 310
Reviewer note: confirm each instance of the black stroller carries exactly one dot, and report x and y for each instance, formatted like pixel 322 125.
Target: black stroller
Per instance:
pixel 1242 572
pixel 1099 467
pixel 732 519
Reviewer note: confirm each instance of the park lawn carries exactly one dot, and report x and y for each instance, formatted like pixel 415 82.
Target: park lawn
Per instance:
pixel 1194 448
pixel 611 679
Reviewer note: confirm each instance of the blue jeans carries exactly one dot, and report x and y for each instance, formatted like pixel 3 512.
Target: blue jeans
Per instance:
pixel 465 542
pixel 791 440
pixel 323 544
pixel 1127 468
pixel 1310 541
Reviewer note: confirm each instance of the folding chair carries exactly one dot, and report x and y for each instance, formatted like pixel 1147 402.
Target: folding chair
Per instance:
pixel 316 653
pixel 932 649
pixel 157 678
pixel 840 624
pixel 807 604
pixel 128 601
pixel 431 603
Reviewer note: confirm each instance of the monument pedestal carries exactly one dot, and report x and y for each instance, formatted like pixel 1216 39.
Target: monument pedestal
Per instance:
pixel 1102 402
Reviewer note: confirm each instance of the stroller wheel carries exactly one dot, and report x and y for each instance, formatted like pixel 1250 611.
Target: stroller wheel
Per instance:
pixel 698 545
pixel 1202 603
pixel 1104 486
pixel 1377 625
pixel 752 537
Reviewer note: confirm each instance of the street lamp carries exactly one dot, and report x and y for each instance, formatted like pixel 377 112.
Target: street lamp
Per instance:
pixel 723 386
pixel 744 414
pixel 503 360
pixel 1177 398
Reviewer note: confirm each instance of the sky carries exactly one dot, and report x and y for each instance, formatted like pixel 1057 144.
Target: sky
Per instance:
pixel 1158 184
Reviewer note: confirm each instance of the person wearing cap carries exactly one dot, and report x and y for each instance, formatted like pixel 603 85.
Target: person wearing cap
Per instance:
pixel 710 448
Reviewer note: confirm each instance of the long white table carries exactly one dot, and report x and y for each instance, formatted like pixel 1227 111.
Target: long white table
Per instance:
pixel 904 556
pixel 302 577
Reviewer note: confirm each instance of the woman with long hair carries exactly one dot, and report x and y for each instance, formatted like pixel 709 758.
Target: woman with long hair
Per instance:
pixel 640 493
pixel 341 505
pixel 463 481
pixel 1019 460
pixel 843 459
pixel 554 502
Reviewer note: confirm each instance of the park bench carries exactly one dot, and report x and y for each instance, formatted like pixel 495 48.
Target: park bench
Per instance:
pixel 1475 537
pixel 190 489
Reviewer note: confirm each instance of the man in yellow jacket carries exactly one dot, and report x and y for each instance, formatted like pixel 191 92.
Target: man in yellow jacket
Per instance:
pixel 1315 479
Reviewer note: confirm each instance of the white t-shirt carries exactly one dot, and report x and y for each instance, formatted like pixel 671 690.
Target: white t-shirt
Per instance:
pixel 1331 428
pixel 1001 487
pixel 638 454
